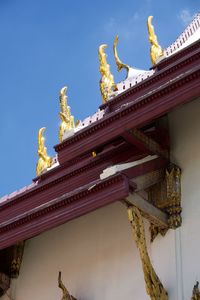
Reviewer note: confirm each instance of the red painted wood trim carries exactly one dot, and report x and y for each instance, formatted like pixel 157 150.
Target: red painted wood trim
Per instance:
pixel 138 112
pixel 178 55
pixel 62 209
pixel 66 180
pixel 162 75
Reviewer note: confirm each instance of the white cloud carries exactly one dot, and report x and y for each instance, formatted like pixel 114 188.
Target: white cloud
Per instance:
pixel 123 27
pixel 185 16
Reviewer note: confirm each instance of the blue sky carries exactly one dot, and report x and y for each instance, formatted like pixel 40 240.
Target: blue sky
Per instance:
pixel 46 44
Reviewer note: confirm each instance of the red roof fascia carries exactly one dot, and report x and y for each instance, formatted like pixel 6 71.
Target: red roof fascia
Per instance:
pixel 64 208
pixel 166 70
pixel 136 113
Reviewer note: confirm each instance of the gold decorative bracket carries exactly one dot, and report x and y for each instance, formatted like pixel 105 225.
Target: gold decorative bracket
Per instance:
pixel 11 259
pixel 154 286
pixel 66 294
pixel 196 292
pixel 166 196
pixel 17 255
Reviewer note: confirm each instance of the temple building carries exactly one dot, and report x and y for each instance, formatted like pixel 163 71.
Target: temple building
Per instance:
pixel 116 213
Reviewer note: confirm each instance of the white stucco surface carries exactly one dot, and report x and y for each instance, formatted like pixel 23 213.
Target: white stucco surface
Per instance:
pixel 97 256
pixel 185 140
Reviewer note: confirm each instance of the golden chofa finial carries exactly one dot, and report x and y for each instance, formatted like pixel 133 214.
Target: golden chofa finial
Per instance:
pixel 107 85
pixel 119 63
pixel 44 160
pixel 67 120
pixel 156 51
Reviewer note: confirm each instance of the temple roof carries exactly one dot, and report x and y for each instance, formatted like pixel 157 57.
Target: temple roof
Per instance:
pixel 190 35
pixel 122 130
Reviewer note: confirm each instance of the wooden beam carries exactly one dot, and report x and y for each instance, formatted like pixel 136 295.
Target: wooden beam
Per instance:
pixel 149 211
pixel 144 143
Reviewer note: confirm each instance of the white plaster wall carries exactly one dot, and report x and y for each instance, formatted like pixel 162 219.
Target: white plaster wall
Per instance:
pixel 96 254
pixel 185 139
pixel 98 259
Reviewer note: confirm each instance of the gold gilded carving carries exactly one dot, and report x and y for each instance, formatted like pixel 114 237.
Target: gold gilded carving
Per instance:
pixel 154 287
pixel 17 255
pixel 66 294
pixel 107 85
pixel 67 120
pixel 156 51
pixel 4 283
pixel 94 154
pixel 44 160
pixel 196 292
pixel 166 195
pixel 119 63
pixel 155 230
pixel 173 178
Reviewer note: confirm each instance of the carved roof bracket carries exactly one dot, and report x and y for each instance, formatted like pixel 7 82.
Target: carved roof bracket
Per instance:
pixel 66 294
pixel 11 259
pixel 196 292
pixel 166 195
pixel 154 286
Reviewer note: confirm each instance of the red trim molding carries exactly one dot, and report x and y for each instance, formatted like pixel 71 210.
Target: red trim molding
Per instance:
pixel 165 71
pixel 136 113
pixel 64 208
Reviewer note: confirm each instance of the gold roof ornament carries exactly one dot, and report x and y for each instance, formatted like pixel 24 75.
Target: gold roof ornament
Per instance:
pixel 67 120
pixel 156 51
pixel 107 85
pixel 44 160
pixel 119 63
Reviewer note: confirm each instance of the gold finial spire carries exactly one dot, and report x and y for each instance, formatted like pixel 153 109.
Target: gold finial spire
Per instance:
pixel 67 120
pixel 156 50
pixel 44 160
pixel 107 85
pixel 120 64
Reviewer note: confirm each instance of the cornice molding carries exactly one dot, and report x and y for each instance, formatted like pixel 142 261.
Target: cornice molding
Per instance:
pixel 160 74
pixel 64 208
pixel 162 99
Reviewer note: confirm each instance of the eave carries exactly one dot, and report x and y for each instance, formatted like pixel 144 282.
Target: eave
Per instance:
pixel 136 113
pixel 64 208
pixel 166 70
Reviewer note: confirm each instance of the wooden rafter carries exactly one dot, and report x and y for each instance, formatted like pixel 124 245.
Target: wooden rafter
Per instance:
pixel 144 143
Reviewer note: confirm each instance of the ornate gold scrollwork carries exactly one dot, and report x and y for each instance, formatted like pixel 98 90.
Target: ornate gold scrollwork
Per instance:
pixel 166 195
pixel 17 254
pixel 173 178
pixel 66 294
pixel 155 230
pixel 154 287
pixel 196 292
pixel 107 85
